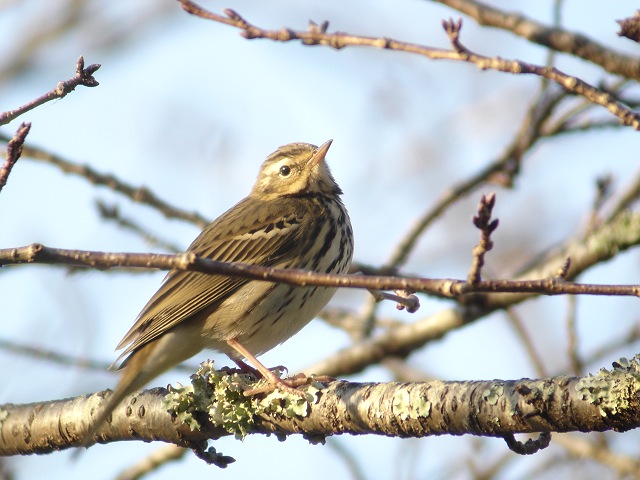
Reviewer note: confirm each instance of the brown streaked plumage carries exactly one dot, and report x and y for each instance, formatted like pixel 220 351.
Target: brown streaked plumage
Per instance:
pixel 293 218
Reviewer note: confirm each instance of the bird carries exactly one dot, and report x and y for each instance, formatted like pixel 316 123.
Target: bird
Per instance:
pixel 292 218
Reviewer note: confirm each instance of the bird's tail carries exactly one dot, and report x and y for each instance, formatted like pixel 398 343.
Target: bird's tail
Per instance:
pixel 143 365
pixel 135 374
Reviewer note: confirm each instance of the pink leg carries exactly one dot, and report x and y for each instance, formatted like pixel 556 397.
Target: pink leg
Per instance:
pixel 274 381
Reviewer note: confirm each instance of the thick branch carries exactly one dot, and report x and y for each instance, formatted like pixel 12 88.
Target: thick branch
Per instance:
pixel 603 402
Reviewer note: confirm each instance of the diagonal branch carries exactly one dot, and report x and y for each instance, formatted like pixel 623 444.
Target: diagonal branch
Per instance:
pixel 317 35
pixel 572 84
pixel 14 151
pixel 554 38
pixel 505 168
pixel 402 340
pixel 136 193
pixel 83 76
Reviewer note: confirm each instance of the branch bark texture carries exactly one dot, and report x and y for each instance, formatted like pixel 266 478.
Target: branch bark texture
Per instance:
pixel 606 401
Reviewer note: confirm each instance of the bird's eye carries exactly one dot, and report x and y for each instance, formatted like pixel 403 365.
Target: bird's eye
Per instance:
pixel 285 171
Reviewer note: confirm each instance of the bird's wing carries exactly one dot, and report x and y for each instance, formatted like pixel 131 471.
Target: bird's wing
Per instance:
pixel 244 234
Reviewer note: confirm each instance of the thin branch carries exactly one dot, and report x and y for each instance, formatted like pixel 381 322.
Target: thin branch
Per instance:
pixel 150 463
pixel 404 300
pixel 604 187
pixel 554 38
pixel 627 198
pixel 317 35
pixel 483 222
pixel 54 356
pixel 630 27
pixel 112 213
pixel 625 341
pixel 627 466
pixel 572 84
pixel 137 194
pixel 369 317
pixel 503 169
pixel 406 338
pixel 353 323
pixel 517 324
pixel 530 446
pixel 348 458
pixel 572 334
pixel 14 150
pixel 444 288
pixel 83 76
pixel 51 355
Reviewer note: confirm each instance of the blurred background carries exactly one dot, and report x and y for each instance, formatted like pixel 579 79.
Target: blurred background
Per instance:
pixel 190 109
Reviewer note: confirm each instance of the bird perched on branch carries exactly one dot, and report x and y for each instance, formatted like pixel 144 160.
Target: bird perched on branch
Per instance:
pixel 293 218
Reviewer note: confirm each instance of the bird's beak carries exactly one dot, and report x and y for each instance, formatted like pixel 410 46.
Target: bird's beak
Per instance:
pixel 320 154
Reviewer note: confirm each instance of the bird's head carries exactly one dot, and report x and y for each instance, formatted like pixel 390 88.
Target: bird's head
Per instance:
pixel 296 169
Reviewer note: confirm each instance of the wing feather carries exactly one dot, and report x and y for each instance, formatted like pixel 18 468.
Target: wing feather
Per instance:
pixel 244 234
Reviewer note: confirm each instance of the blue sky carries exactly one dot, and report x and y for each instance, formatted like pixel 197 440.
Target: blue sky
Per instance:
pixel 190 109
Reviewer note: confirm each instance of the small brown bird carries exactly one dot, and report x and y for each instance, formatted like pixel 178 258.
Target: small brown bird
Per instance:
pixel 293 218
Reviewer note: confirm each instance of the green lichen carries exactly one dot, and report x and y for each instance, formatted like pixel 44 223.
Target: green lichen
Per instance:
pixel 492 395
pixel 612 390
pixel 220 394
pixel 412 405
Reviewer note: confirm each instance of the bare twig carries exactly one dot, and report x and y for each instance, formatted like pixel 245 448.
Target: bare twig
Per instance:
pixel 318 36
pixel 483 222
pixel 502 170
pixel 370 318
pixel 14 150
pixel 112 212
pixel 60 358
pixel 137 194
pixel 51 355
pixel 630 27
pixel 571 84
pixel 517 324
pixel 630 337
pixel 349 459
pixel 554 38
pixel 406 338
pixel 83 76
pixel 627 197
pixel 582 447
pixel 446 288
pixel 150 463
pixel 572 345
pixel 604 184
pixel 404 300
pixel 530 446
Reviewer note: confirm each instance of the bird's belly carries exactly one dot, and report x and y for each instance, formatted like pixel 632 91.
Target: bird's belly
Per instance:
pixel 260 318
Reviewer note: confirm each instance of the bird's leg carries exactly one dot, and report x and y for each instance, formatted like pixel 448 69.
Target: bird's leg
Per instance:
pixel 287 385
pixel 245 367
